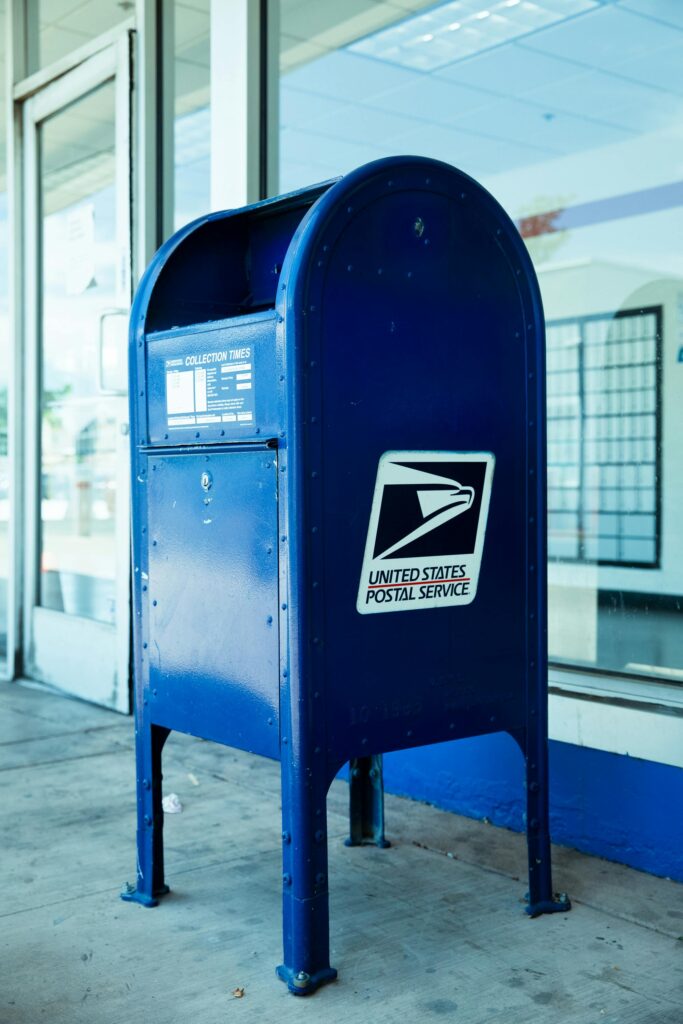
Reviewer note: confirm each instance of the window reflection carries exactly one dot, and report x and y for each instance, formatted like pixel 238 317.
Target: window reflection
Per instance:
pixel 570 111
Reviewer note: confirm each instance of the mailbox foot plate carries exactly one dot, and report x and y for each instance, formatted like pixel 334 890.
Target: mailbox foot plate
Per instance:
pixel 302 984
pixel 131 895
pixel 559 905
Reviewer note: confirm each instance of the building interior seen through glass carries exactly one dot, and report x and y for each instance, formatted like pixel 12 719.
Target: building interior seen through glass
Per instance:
pixel 192 129
pixel 78 479
pixel 571 113
pixel 4 357
pixel 64 25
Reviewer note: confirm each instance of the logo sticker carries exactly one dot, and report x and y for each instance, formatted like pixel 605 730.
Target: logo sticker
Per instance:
pixel 426 532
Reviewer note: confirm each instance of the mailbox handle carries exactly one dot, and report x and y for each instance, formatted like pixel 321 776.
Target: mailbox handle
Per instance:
pixel 104 316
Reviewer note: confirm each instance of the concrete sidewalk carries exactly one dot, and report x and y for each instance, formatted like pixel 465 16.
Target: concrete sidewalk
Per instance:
pixel 431 929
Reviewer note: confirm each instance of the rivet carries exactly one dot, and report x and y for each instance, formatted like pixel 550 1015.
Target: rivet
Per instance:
pixel 282 377
pixel 286 879
pixel 144 586
pixel 314 474
pixel 154 603
pixel 283 538
pixel 282 433
pixel 350 266
pixel 144 645
pixel 196 433
pixel 284 673
pixel 258 430
pixel 533 786
pixel 285 740
pixel 409 733
pixel 314 529
pixel 286 838
pixel 284 607
pixel 270 721
pixel 316 640
pixel 165 437
pixel 533 824
pixel 269 620
pixel 319 836
pixel 148 820
pixel 320 878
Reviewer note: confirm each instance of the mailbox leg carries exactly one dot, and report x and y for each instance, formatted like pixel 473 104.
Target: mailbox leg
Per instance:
pixel 149 742
pixel 305 910
pixel 541 898
pixel 366 802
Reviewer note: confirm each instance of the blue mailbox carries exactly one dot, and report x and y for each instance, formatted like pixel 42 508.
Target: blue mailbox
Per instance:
pixel 338 450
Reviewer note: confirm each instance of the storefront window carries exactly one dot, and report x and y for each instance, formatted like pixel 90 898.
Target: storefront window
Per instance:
pixel 65 25
pixel 4 378
pixel 192 129
pixel 571 113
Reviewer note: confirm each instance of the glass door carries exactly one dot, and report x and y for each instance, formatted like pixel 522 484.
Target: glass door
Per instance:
pixel 78 284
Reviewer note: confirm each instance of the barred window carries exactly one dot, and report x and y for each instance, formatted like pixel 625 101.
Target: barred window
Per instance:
pixel 603 387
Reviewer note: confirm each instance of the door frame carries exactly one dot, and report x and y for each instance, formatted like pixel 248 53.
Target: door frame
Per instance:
pixel 50 637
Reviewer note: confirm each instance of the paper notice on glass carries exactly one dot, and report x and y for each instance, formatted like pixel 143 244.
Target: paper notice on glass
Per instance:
pixel 80 249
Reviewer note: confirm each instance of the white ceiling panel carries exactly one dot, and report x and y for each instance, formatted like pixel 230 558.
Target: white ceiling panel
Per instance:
pixel 432 99
pixel 510 70
pixel 363 124
pixel 608 98
pixel 298 108
pixel 461 148
pixel 342 74
pixel 529 124
pixel 662 68
pixel 670 11
pixel 307 147
pixel 295 175
pixel 603 38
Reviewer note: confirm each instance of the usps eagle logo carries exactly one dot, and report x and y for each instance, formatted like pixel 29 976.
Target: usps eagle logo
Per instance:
pixel 426 530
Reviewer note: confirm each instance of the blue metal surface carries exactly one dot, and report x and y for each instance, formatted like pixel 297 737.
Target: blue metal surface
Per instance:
pixel 397 310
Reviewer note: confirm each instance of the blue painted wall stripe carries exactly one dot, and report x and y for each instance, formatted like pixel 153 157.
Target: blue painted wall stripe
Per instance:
pixel 613 806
